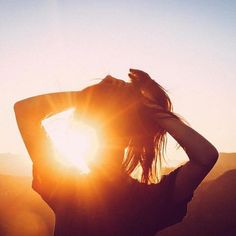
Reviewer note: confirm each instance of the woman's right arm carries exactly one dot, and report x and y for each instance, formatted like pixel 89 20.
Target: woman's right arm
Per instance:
pixel 29 114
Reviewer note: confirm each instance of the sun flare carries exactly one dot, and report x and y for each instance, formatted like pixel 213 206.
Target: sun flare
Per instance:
pixel 75 142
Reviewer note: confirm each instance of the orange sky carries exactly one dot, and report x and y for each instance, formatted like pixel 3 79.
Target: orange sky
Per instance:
pixel 188 48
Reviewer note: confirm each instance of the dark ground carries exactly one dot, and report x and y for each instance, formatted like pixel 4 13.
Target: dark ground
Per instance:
pixel 211 212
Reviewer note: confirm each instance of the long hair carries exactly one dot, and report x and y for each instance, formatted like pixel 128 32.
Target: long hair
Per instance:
pixel 120 104
pixel 147 151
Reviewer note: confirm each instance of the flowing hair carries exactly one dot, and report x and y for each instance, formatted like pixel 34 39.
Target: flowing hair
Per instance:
pixel 115 101
pixel 147 151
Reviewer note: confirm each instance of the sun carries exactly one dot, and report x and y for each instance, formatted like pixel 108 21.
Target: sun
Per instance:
pixel 75 142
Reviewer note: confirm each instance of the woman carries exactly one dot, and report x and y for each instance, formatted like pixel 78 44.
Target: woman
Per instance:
pixel 135 116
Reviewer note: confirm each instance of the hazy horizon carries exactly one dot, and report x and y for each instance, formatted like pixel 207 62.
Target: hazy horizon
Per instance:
pixel 213 202
pixel 18 165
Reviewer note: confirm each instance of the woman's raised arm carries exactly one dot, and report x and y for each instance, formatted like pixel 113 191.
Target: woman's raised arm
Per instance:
pixel 202 156
pixel 29 114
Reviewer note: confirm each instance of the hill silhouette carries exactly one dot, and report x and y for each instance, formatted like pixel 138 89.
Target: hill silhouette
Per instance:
pixel 226 161
pixel 211 212
pixel 22 211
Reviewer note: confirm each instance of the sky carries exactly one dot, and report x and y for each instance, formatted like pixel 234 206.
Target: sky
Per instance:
pixel 189 47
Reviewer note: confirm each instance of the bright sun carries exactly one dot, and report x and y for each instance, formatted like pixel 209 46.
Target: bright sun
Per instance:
pixel 76 142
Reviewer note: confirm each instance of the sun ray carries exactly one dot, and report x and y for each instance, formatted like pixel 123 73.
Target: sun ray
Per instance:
pixel 76 142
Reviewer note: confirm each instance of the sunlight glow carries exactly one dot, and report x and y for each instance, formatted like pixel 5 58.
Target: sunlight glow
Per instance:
pixel 76 142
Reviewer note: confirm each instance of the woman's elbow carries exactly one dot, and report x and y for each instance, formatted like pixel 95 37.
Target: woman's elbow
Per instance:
pixel 212 156
pixel 21 109
pixel 22 113
pixel 17 108
pixel 205 157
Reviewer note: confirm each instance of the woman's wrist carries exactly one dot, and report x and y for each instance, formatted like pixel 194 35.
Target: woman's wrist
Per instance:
pixel 162 114
pixel 165 119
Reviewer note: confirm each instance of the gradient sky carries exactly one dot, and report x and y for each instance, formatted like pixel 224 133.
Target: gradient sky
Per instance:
pixel 187 46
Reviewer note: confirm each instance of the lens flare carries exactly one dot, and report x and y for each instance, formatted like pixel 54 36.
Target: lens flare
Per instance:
pixel 75 142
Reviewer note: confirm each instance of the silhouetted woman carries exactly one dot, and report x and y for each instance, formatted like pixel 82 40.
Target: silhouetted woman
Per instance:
pixel 134 116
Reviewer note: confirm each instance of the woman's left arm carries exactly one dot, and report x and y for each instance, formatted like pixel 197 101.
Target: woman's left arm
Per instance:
pixel 202 155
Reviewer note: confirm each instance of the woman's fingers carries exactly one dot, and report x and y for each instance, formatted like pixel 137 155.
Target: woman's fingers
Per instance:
pixel 139 74
pixel 143 81
pixel 136 71
pixel 132 76
pixel 140 77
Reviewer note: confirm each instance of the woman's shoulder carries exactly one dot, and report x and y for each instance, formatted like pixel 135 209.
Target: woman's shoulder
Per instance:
pixel 157 197
pixel 162 191
pixel 165 180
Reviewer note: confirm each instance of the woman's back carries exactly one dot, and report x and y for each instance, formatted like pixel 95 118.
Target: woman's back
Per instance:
pixel 92 205
pixel 134 117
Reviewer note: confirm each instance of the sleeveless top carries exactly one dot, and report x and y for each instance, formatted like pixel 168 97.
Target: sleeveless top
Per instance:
pixel 89 206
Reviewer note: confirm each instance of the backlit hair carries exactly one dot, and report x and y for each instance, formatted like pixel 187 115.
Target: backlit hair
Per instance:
pixel 115 105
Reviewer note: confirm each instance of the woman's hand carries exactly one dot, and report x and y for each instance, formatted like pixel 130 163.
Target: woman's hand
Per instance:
pixel 150 89
pixel 144 82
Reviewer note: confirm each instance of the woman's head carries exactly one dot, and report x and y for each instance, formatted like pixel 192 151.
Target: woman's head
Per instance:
pixel 119 110
pixel 114 105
